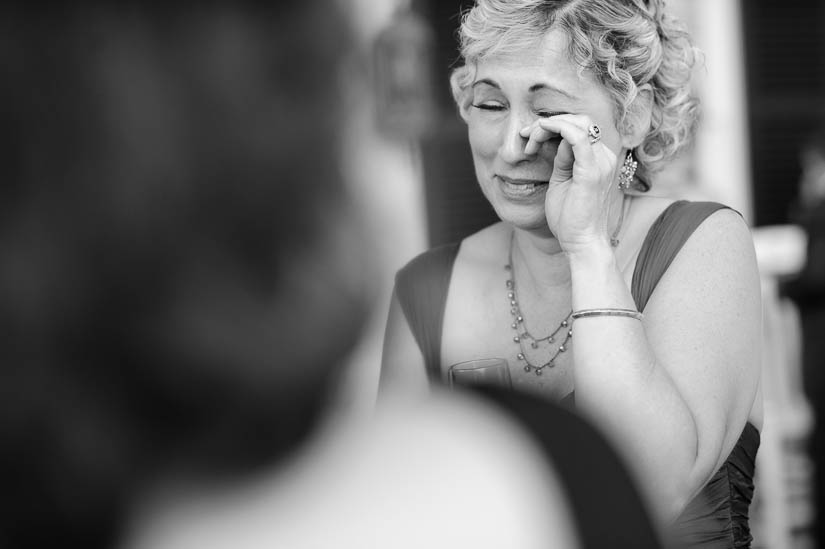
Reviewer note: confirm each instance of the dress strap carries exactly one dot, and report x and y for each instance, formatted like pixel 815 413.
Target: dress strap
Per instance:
pixel 421 287
pixel 665 238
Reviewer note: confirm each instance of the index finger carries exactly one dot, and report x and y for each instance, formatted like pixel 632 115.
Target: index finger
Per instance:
pixel 537 136
pixel 574 134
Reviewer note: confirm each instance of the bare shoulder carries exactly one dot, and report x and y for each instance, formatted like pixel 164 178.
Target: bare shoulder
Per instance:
pixel 720 245
pixel 485 245
pixel 647 209
pixel 728 221
pixel 722 227
pixel 714 273
pixel 724 232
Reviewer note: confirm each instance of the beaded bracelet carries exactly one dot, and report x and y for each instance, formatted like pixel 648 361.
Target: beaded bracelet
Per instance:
pixel 607 312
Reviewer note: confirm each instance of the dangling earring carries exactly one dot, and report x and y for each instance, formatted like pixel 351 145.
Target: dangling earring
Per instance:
pixel 628 172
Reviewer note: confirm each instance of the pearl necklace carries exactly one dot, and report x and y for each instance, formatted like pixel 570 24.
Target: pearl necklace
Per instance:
pixel 519 324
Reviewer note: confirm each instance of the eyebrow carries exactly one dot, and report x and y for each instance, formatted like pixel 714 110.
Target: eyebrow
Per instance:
pixel 541 87
pixel 532 89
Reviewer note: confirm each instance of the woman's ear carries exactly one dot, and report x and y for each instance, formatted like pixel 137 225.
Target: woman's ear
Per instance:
pixel 462 95
pixel 639 116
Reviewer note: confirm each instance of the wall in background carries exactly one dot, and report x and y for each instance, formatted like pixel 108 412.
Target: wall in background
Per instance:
pixel 785 63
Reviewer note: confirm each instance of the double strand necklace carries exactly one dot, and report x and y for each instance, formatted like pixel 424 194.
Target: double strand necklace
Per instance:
pixel 519 325
pixel 522 333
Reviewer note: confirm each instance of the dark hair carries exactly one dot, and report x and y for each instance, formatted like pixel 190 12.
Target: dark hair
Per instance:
pixel 162 183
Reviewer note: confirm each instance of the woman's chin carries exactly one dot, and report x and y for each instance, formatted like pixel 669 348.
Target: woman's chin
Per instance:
pixel 525 218
pixel 534 226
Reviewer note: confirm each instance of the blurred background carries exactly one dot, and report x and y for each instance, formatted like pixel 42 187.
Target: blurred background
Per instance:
pixel 760 149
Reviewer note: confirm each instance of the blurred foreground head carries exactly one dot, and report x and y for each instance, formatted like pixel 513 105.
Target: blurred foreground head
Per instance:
pixel 177 257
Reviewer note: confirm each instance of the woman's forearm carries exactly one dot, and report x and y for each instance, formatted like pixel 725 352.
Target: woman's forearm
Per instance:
pixel 622 387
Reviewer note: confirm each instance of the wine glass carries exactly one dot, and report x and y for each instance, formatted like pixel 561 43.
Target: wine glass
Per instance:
pixel 481 371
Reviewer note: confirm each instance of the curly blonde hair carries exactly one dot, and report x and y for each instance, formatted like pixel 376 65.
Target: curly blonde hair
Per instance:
pixel 624 43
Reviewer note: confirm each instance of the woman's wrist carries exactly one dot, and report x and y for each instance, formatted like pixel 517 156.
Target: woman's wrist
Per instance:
pixel 597 280
pixel 598 254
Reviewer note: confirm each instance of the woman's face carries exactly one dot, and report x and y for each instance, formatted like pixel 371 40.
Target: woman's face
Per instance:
pixel 509 93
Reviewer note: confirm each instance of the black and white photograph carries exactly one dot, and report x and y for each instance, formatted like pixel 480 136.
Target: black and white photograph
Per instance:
pixel 396 274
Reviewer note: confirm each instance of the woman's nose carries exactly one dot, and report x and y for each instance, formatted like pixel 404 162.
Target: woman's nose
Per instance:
pixel 512 145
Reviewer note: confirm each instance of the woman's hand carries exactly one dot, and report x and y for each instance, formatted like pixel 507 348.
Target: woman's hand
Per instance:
pixel 578 198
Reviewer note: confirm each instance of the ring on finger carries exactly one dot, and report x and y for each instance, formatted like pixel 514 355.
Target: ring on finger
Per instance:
pixel 594 133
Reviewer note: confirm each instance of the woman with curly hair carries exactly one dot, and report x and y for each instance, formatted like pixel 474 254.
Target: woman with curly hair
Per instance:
pixel 648 308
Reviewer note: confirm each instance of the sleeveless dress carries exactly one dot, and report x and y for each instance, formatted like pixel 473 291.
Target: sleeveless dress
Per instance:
pixel 718 517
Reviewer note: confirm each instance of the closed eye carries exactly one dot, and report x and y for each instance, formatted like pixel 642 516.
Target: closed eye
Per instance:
pixel 548 114
pixel 495 107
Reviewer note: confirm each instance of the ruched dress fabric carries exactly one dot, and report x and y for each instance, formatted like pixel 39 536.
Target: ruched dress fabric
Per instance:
pixel 717 518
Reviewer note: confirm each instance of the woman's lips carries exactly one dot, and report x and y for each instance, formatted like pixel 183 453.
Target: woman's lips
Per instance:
pixel 522 188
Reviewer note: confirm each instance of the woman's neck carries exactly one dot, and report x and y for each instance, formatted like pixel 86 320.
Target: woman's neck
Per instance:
pixel 539 260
